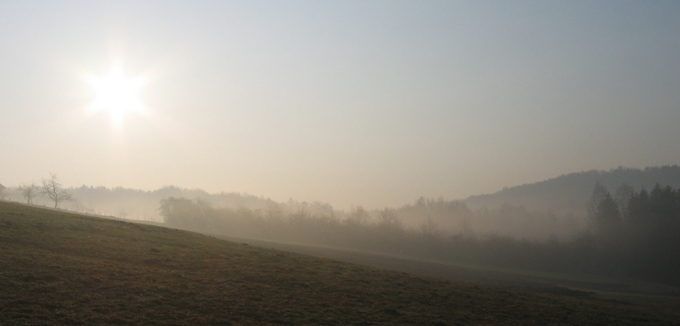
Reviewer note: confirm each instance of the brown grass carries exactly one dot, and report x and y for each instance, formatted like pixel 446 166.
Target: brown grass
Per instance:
pixel 58 268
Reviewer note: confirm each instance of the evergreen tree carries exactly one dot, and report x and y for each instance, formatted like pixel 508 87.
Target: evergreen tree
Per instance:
pixel 603 211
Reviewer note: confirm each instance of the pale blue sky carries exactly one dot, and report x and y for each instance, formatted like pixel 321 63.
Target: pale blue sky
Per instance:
pixel 372 103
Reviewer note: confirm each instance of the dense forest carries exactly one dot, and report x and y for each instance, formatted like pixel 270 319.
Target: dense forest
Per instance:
pixel 636 232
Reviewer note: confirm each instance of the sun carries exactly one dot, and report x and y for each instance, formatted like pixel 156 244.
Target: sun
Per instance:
pixel 117 94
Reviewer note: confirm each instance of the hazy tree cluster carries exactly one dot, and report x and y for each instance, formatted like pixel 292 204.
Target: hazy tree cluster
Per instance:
pixel 50 188
pixel 627 232
pixel 128 203
pixel 29 192
pixel 357 229
pixel 636 232
pixel 633 233
pixel 375 231
pixel 455 217
pixel 570 193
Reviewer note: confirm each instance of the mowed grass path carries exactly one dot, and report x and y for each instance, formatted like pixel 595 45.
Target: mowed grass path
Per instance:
pixel 58 268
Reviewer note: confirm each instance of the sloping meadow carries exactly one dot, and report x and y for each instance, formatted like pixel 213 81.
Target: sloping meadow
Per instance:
pixel 58 268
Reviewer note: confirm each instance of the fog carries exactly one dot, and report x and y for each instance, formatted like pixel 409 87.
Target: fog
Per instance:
pixel 626 226
pixel 442 129
pixel 351 103
pixel 443 217
pixel 554 208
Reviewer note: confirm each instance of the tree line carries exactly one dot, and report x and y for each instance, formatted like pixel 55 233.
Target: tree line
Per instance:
pixel 571 192
pixel 637 233
pixel 50 187
pixel 630 234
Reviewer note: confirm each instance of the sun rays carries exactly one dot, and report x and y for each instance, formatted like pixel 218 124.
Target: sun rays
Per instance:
pixel 117 94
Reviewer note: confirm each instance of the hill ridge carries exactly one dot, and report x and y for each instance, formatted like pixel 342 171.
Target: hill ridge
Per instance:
pixel 569 193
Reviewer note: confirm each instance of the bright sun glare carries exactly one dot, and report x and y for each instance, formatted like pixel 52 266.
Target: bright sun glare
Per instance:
pixel 117 94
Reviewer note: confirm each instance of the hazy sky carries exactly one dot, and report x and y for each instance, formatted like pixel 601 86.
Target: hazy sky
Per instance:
pixel 368 103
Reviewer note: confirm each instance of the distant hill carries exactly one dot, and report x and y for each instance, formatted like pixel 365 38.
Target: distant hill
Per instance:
pixel 58 268
pixel 569 194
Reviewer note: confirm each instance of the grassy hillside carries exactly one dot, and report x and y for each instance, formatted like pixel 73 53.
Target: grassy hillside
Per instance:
pixel 58 268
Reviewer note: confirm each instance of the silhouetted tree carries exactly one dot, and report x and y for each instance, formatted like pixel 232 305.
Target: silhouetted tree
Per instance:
pixel 664 203
pixel 653 229
pixel 29 192
pixel 623 196
pixel 51 187
pixel 603 210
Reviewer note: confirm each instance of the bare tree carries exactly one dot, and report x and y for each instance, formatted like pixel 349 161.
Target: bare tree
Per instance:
pixel 29 192
pixel 51 187
pixel 3 195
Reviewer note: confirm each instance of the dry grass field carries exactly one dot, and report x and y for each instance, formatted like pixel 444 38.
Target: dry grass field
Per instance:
pixel 58 268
